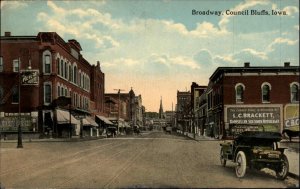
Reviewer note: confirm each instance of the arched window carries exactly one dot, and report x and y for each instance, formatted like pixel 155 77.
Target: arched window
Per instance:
pixel 294 92
pixel 70 72
pixel 79 78
pixel 66 70
pixel 266 88
pixel 75 74
pixel 239 92
pixel 47 61
pixel 57 66
pixel 62 67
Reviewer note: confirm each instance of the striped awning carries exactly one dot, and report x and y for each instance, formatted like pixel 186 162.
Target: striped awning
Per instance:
pixel 63 117
pixel 104 119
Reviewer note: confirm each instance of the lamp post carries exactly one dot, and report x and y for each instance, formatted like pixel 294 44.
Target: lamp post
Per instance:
pixel 20 145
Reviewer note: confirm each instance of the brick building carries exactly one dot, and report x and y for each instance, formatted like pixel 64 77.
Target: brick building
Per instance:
pixel 196 92
pixel 267 96
pixel 183 110
pixel 59 70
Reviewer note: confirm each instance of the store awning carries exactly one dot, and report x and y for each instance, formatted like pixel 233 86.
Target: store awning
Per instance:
pixel 104 119
pixel 92 121
pixel 63 117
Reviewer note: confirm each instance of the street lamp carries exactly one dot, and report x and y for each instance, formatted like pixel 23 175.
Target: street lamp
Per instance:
pixel 20 145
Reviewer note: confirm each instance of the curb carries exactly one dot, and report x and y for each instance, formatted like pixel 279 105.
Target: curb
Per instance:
pixel 293 175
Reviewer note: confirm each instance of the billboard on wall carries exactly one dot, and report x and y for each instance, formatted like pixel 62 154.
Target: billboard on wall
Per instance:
pixel 11 123
pixel 291 117
pixel 267 116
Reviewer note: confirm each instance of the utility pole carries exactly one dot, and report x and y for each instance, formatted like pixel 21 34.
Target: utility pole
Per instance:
pixel 119 94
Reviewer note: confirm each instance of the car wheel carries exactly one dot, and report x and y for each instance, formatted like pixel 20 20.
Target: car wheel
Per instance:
pixel 284 169
pixel 240 169
pixel 222 158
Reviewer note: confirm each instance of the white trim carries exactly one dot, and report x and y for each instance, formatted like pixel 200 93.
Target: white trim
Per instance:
pixel 261 74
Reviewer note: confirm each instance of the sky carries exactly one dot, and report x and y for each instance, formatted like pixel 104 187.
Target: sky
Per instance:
pixel 158 47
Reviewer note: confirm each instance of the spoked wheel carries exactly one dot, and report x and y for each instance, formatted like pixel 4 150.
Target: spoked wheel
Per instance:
pixel 222 158
pixel 240 169
pixel 284 169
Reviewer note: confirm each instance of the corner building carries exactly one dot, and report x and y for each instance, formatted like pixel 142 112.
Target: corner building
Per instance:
pixel 266 96
pixel 62 71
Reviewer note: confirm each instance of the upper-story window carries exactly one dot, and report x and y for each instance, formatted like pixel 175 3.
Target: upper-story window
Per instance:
pixel 57 66
pixel 239 92
pixel 1 64
pixel 66 70
pixel 16 65
pixel 62 67
pixel 75 73
pixel 294 92
pixel 47 93
pixel 70 72
pixel 266 88
pixel 58 91
pixel 15 95
pixel 47 62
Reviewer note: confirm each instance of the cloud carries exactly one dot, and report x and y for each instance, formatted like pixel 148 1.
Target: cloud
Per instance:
pixel 204 56
pixel 280 40
pixel 13 4
pixel 291 10
pixel 62 21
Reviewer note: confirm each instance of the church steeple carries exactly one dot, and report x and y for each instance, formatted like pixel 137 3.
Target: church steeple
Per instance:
pixel 161 111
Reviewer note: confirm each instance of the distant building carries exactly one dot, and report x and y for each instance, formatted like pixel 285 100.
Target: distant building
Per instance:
pixel 183 110
pixel 261 96
pixel 50 68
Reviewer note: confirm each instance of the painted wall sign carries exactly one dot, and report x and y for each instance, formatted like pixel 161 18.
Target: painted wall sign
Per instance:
pixel 291 117
pixel 12 123
pixel 253 115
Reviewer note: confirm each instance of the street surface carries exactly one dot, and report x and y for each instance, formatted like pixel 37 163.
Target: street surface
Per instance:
pixel 151 160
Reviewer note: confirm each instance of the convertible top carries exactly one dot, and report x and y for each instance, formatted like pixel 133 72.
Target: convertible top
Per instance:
pixel 258 135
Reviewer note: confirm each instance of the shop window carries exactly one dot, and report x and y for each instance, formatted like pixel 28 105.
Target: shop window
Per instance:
pixel 16 65
pixel 266 88
pixel 294 92
pixel 15 95
pixel 239 93
pixel 47 93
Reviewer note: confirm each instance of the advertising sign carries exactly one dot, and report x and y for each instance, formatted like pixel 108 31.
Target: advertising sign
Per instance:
pixel 253 115
pixel 30 77
pixel 12 123
pixel 291 118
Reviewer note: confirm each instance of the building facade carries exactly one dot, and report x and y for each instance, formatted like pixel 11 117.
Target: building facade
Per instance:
pixel 251 96
pixel 183 111
pixel 35 72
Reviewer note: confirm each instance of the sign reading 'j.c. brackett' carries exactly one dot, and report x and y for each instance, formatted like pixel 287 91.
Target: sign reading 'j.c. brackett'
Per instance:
pixel 253 115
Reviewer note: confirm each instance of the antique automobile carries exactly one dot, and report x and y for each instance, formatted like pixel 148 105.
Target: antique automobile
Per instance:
pixel 255 149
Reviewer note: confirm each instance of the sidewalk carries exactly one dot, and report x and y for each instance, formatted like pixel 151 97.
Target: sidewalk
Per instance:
pixel 292 152
pixel 74 139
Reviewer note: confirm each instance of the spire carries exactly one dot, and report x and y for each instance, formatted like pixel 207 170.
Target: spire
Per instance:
pixel 161 111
